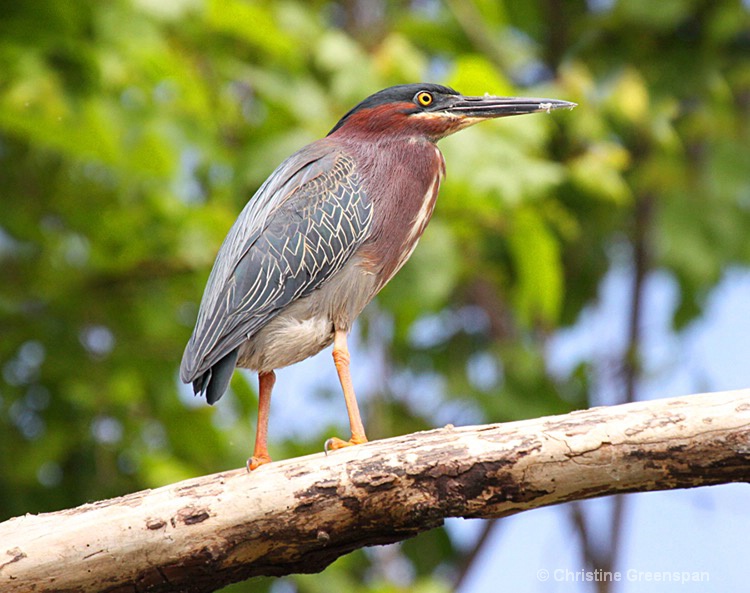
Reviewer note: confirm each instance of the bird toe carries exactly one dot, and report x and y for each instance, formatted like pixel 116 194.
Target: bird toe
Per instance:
pixel 256 461
pixel 336 443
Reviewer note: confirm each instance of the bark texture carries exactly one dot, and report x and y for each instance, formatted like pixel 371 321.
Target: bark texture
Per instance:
pixel 301 514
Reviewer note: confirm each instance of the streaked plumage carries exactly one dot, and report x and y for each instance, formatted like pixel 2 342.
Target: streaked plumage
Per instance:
pixel 327 230
pixel 303 226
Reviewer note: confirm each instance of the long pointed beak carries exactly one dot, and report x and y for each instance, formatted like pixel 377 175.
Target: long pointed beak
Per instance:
pixel 489 106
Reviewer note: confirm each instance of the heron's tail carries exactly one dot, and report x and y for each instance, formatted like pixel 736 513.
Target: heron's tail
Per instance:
pixel 214 382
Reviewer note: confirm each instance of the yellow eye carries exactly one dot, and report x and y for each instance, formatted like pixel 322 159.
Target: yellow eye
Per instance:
pixel 424 98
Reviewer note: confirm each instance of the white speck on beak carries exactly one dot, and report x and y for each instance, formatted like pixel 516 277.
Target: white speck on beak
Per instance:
pixel 545 107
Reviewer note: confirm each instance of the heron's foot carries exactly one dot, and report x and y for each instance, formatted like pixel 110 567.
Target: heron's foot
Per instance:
pixel 256 461
pixel 335 443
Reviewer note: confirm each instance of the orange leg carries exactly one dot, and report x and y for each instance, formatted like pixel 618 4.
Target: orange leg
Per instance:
pixel 341 359
pixel 260 455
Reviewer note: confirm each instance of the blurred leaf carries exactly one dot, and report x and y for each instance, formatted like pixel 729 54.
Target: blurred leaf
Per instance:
pixel 539 285
pixel 475 75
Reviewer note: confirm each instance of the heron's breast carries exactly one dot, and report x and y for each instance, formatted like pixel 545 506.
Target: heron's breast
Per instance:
pixel 402 207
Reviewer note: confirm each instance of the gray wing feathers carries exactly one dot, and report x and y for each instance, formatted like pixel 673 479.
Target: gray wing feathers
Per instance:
pixel 302 226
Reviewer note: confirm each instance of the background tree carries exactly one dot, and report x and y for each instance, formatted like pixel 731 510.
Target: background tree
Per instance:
pixel 132 132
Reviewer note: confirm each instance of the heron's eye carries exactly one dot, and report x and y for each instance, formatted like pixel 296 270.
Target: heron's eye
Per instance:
pixel 424 98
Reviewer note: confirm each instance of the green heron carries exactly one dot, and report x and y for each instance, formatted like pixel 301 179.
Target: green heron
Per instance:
pixel 326 231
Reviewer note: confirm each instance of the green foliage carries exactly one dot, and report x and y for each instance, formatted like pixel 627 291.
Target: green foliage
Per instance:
pixel 132 133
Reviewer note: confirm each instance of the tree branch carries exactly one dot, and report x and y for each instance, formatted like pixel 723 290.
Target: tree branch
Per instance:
pixel 300 515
